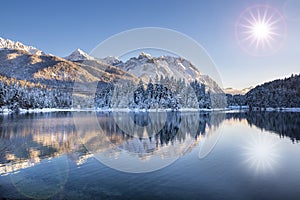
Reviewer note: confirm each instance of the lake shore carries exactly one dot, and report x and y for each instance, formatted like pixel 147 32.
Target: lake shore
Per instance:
pixel 229 109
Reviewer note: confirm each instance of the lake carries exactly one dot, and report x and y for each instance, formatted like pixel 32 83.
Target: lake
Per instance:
pixel 165 155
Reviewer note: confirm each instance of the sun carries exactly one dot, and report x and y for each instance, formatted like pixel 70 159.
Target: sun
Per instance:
pixel 260 30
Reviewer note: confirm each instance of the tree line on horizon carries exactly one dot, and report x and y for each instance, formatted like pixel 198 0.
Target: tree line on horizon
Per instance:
pixel 275 94
pixel 165 93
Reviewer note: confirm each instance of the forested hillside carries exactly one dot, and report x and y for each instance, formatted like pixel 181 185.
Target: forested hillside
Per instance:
pixel 281 93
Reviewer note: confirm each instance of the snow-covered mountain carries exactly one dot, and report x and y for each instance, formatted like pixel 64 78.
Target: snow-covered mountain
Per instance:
pixel 9 44
pixel 147 67
pixel 53 70
pixel 111 60
pixel 26 72
pixel 77 55
pixel 28 63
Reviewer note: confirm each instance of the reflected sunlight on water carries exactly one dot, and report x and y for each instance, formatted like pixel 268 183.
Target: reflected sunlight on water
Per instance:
pixel 40 154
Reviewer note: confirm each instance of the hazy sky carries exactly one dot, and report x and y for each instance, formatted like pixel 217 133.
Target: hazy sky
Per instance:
pixel 61 26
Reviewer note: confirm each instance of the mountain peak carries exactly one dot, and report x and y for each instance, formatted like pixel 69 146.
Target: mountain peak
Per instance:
pixel 80 51
pixel 111 60
pixel 144 55
pixel 9 44
pixel 79 54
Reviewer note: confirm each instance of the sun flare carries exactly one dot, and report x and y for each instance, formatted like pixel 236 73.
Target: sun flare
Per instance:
pixel 261 153
pixel 260 30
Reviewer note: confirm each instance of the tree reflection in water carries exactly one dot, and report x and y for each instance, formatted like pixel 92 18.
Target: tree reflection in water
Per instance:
pixel 32 137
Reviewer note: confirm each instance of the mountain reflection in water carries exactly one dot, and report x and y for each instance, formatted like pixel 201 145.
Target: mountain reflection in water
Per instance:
pixel 27 139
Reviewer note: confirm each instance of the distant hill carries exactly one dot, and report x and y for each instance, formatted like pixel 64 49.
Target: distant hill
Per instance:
pixel 234 91
pixel 275 94
pixel 280 93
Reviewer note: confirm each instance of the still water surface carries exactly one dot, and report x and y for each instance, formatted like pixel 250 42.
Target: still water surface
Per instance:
pixel 88 155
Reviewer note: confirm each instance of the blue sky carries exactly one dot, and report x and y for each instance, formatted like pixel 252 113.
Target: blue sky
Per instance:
pixel 59 27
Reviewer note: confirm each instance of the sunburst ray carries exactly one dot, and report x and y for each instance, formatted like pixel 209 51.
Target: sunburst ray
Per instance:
pixel 260 29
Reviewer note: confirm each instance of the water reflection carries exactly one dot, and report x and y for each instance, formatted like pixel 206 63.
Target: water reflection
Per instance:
pixel 154 141
pixel 285 124
pixel 26 140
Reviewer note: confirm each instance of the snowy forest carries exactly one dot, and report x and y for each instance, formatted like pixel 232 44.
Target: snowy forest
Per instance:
pixel 16 94
pixel 165 94
pixel 281 93
pixel 275 94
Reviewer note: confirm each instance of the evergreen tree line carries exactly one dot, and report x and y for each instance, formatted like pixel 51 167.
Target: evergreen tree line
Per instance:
pixel 15 95
pixel 236 100
pixel 275 94
pixel 163 94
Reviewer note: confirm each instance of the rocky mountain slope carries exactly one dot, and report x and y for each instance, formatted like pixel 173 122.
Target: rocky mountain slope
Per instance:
pixel 28 63
pixel 51 70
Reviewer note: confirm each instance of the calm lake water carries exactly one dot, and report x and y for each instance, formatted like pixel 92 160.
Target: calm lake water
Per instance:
pixel 88 155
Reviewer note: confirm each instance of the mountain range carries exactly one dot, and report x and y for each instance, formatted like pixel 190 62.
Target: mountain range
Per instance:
pixel 26 71
pixel 31 64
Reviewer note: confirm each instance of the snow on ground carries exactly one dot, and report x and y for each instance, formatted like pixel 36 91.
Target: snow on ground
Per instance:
pixel 284 109
pixel 238 107
pixel 229 109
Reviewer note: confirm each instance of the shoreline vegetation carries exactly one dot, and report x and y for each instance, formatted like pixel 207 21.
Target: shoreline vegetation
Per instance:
pixel 278 95
pixel 228 109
